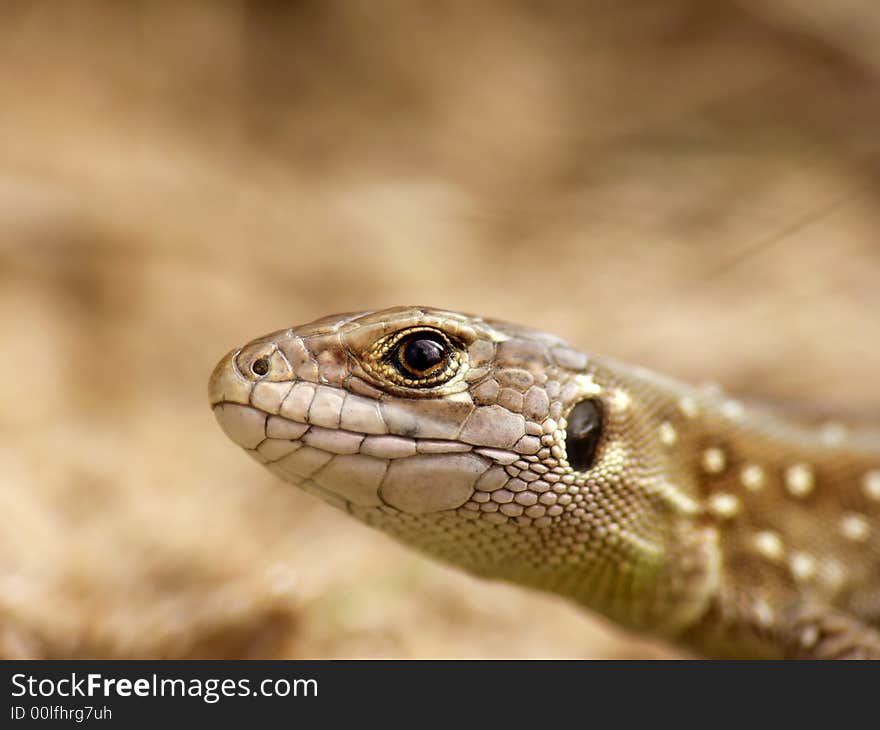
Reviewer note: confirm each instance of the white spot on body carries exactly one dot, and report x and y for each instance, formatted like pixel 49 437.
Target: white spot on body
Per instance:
pixel 752 477
pixel 803 567
pixel 799 480
pixel 724 505
pixel 769 544
pixel 714 461
pixel 809 637
pixel 688 406
pixel 763 613
pixel 871 484
pixel 668 434
pixel 675 498
pixel 855 527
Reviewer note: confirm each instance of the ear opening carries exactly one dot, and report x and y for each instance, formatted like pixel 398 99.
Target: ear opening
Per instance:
pixel 583 433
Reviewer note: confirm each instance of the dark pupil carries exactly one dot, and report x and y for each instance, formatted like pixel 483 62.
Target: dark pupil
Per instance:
pixel 583 433
pixel 422 355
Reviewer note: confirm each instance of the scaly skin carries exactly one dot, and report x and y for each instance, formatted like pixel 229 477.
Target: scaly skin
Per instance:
pixel 723 528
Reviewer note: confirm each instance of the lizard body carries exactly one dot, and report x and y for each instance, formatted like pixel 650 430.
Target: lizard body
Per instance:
pixel 673 510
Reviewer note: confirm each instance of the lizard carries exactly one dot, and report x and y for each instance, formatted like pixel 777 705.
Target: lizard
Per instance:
pixel 676 511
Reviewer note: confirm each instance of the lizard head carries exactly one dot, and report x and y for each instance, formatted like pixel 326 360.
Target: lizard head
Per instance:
pixel 485 444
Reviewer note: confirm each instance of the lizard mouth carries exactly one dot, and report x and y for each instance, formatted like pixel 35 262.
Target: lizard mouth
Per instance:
pixel 413 475
pixel 272 438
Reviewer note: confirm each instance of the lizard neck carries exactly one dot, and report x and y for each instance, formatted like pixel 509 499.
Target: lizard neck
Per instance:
pixel 793 507
pixel 639 549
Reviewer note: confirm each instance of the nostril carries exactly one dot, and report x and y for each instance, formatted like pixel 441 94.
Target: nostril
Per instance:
pixel 260 366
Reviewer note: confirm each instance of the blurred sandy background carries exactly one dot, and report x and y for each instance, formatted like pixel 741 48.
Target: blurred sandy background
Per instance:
pixel 685 184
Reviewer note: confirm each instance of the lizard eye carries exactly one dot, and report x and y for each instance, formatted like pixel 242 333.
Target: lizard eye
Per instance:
pixel 583 433
pixel 420 355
